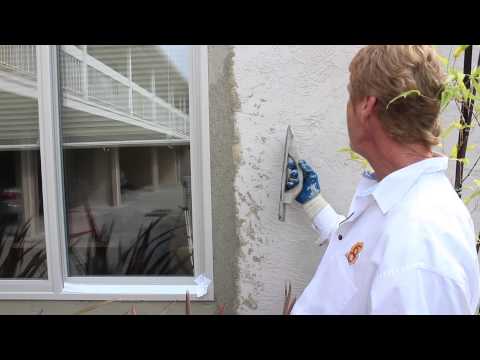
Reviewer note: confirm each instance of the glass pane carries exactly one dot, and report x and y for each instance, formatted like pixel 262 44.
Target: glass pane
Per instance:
pixel 22 240
pixel 126 159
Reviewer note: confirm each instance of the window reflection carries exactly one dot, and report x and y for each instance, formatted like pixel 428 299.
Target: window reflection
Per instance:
pixel 125 123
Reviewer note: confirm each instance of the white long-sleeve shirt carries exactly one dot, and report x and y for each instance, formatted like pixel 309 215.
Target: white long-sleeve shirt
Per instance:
pixel 416 249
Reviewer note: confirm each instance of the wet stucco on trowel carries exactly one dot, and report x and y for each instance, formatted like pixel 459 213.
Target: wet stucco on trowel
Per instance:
pixel 305 87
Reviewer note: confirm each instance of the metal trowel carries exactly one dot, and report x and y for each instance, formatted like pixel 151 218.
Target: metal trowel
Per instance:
pixel 289 152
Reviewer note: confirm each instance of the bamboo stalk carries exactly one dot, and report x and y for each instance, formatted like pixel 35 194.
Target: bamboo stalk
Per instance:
pixel 467 112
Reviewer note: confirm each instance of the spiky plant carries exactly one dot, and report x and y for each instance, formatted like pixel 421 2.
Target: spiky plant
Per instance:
pixel 143 257
pixel 14 264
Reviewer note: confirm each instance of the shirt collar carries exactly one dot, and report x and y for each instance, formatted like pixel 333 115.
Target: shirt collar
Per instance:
pixel 393 187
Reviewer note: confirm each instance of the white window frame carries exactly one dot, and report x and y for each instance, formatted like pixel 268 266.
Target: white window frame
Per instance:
pixel 61 287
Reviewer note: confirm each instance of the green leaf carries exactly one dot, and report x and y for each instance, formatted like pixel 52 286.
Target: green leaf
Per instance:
pixel 471 147
pixel 450 76
pixel 454 152
pixel 459 51
pixel 476 86
pixel 457 86
pixel 471 197
pixel 404 95
pixel 466 94
pixel 356 157
pixel 476 72
pixel 442 59
pixel 446 98
pixel 459 76
pixel 366 166
pixel 468 187
pixel 477 182
pixel 447 131
pixel 451 89
pixel 458 125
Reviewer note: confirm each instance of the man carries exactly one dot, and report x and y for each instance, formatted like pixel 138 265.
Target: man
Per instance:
pixel 407 245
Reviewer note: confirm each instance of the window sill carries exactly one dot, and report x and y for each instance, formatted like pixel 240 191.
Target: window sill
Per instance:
pixel 95 290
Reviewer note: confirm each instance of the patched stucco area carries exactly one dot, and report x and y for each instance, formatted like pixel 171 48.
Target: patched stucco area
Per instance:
pixel 305 87
pixel 223 102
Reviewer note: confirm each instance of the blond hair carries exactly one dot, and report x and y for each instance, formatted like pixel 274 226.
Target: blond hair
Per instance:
pixel 386 71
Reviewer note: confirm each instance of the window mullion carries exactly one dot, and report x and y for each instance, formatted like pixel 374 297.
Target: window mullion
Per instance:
pixel 51 162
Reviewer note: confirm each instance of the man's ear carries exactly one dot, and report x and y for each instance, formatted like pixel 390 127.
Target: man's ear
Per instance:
pixel 369 105
pixel 367 108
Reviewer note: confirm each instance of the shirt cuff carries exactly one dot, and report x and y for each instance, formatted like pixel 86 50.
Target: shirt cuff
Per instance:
pixel 325 222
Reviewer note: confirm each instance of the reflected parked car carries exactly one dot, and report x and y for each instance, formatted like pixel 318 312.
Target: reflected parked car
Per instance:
pixel 11 206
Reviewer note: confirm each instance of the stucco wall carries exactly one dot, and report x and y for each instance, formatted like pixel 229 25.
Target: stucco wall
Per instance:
pixel 305 87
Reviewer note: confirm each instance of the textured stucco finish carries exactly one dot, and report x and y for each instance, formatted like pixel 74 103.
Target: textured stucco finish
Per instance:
pixel 305 87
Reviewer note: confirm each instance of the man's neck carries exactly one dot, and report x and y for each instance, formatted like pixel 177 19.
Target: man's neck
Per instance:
pixel 392 157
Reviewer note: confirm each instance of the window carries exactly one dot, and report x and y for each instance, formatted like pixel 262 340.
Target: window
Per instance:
pixel 22 240
pixel 119 136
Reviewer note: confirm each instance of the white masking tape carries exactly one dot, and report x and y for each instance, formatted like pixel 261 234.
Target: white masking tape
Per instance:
pixel 202 284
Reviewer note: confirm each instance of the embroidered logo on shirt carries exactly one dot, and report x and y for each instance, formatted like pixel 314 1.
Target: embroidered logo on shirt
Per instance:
pixel 352 255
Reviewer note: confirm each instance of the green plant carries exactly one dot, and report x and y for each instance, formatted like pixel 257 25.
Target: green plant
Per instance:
pixel 16 263
pixel 144 257
pixel 462 89
pixel 356 158
pixel 140 257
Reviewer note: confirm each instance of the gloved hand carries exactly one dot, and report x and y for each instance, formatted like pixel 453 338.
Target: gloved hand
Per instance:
pixel 306 187
pixel 310 186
